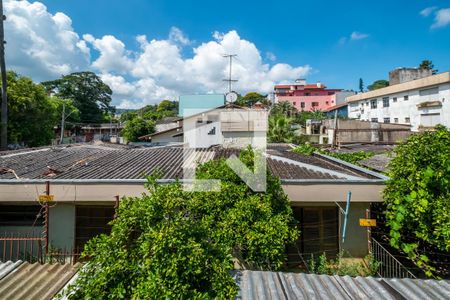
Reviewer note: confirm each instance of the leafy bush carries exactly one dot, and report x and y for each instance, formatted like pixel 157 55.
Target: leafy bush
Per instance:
pixel 170 243
pixel 338 266
pixel 353 158
pixel 306 149
pixel 417 195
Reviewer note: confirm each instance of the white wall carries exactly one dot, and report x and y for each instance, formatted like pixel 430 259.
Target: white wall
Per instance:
pixel 403 109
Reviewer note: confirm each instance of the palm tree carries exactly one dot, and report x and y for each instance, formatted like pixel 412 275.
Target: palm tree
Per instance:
pixel 280 130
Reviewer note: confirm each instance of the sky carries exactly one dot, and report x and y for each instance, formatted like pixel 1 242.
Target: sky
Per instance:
pixel 149 50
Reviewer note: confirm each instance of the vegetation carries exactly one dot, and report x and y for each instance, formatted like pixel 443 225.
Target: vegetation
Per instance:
pixel 417 196
pixel 353 157
pixel 165 108
pixel 90 95
pixel 342 267
pixel 428 65
pixel 251 98
pixel 361 85
pixel 136 128
pixel 378 84
pixel 170 243
pixel 32 113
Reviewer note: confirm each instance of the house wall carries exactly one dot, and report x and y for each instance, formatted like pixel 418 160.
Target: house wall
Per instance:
pixel 324 101
pixel 62 226
pixel 400 110
pixel 167 137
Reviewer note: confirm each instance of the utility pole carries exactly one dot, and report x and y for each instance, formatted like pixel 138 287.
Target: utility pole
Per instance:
pixel 4 106
pixel 230 80
pixel 63 118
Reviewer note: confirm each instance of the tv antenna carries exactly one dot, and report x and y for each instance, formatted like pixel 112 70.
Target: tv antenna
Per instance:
pixel 230 80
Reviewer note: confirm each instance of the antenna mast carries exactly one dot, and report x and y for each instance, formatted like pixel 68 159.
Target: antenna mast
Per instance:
pixel 230 80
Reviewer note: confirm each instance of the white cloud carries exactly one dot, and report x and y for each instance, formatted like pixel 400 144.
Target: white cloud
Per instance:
pixel 270 56
pixel 442 18
pixel 358 36
pixel 42 45
pixel 176 35
pixel 45 46
pixel 428 11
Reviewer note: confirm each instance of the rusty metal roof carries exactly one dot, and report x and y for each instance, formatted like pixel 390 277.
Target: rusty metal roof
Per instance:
pixel 277 285
pixel 22 280
pixel 99 162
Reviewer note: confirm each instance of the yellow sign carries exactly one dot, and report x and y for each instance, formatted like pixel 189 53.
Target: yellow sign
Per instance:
pixel 368 222
pixel 46 198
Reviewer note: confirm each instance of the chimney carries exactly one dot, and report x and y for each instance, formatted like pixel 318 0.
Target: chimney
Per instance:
pixel 319 85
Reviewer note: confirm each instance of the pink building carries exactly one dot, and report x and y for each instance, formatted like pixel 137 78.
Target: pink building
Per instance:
pixel 306 97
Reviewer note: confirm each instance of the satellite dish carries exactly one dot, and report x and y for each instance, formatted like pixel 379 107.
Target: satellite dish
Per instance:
pixel 231 97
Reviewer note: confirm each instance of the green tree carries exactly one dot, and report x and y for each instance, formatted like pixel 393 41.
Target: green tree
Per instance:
pixel 361 85
pixel 251 98
pixel 417 195
pixel 428 65
pixel 283 108
pixel 378 84
pixel 280 129
pixel 136 128
pixel 168 108
pixel 90 95
pixel 32 113
pixel 174 244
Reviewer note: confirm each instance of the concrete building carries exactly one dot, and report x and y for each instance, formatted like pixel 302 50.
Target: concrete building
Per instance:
pixel 309 97
pixel 228 125
pixel 85 180
pixel 422 103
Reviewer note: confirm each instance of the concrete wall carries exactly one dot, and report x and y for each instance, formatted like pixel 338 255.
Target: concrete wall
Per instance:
pixel 355 242
pixel 355 131
pixel 167 137
pixel 62 226
pixel 402 75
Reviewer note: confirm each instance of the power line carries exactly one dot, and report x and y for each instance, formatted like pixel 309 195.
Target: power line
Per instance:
pixel 230 80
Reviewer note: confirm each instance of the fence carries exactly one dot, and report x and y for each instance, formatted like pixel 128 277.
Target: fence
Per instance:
pixel 390 266
pixel 32 249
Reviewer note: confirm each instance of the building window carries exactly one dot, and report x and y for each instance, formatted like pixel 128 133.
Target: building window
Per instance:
pixel 374 120
pixel 307 94
pixel 20 215
pixel 316 94
pixel 373 103
pixel 294 103
pixel 429 92
pixel 386 102
pixel 387 120
pixel 330 93
pixel 395 120
pixel 394 99
pixel 406 97
pixel 212 131
pixel 326 102
pixel 315 104
pixel 407 120
pixel 302 104
pixel 91 221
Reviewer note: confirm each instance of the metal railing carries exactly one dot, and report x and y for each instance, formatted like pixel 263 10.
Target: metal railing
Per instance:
pixel 390 267
pixel 31 248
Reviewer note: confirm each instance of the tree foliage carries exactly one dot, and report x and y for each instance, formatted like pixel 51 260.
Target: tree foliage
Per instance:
pixel 90 95
pixel 417 195
pixel 428 65
pixel 136 128
pixel 174 244
pixel 378 84
pixel 251 98
pixel 32 114
pixel 361 85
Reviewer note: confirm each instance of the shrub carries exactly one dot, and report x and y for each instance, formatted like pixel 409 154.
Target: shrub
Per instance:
pixel 417 195
pixel 170 243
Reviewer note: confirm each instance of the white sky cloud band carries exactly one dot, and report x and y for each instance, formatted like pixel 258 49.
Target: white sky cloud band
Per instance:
pixel 45 46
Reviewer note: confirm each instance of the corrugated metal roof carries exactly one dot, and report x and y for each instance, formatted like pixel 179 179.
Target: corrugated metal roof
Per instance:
pixel 94 162
pixel 276 285
pixel 23 280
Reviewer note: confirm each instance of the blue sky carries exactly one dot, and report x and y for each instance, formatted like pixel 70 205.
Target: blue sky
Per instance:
pixel 339 41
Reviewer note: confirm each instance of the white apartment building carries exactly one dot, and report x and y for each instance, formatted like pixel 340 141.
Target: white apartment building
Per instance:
pixel 421 103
